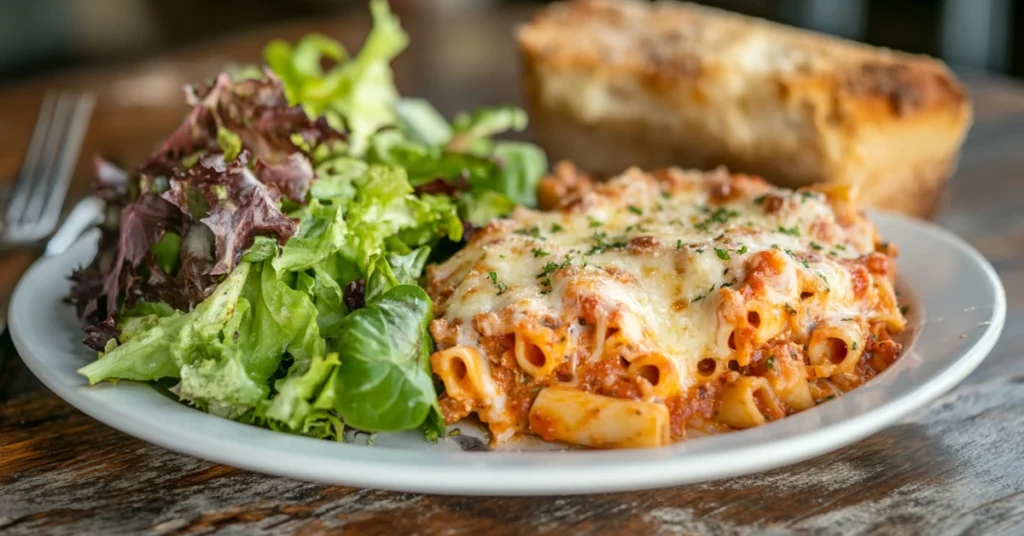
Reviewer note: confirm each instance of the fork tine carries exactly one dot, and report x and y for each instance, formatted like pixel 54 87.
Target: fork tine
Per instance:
pixel 22 187
pixel 57 182
pixel 51 151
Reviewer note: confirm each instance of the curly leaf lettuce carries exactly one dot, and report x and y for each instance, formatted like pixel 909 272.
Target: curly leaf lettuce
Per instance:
pixel 227 348
pixel 279 319
pixel 292 407
pixel 174 341
pixel 357 94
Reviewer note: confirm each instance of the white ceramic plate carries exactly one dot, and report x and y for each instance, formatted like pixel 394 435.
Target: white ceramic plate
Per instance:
pixel 957 304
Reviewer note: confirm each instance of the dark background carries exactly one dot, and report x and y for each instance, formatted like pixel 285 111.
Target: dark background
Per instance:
pixel 37 36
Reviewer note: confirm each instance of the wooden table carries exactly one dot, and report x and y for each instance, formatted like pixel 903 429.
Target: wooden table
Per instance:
pixel 955 467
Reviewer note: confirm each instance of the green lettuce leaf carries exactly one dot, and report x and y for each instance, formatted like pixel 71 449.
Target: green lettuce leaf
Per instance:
pixel 522 166
pixel 378 211
pixel 407 267
pixel 328 299
pixel 263 248
pixel 225 350
pixel 322 232
pixel 379 280
pixel 221 386
pixel 383 378
pixel 481 206
pixel 335 178
pixel 471 131
pixel 280 319
pixel 167 252
pixel 433 427
pixel 421 123
pixel 172 341
pixel 145 355
pixel 292 406
pixel 357 93
pixel 140 318
pixel 433 217
pixel 229 142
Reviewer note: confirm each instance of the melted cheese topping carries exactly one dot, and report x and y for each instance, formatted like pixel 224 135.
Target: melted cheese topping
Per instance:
pixel 665 252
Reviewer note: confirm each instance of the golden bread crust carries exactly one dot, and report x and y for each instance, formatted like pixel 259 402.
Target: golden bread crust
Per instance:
pixel 659 84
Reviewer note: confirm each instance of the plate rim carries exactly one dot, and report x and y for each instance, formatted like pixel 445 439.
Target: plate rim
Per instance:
pixel 388 468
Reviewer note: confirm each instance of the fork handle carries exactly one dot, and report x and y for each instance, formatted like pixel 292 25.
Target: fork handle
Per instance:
pixel 87 213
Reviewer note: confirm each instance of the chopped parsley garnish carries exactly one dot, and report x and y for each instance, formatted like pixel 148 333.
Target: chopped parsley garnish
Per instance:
pixel 722 215
pixel 594 222
pixel 829 397
pixel 502 287
pixel 548 268
pixel 854 345
pixel 840 247
pixel 828 288
pixel 679 244
pixel 760 199
pixel 702 296
pixel 636 210
pixel 532 231
pixel 770 363
pixel 666 195
pixel 556 228
pixel 537 252
pixel 699 250
pixel 722 254
pixel 794 230
pixel 742 250
pixel 602 242
pixel 815 245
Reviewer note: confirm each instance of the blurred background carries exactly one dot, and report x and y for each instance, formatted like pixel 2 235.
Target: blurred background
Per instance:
pixel 38 36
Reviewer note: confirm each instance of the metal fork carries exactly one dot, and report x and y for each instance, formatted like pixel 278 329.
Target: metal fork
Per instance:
pixel 35 204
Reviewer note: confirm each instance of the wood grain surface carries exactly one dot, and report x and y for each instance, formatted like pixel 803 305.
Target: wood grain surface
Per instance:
pixel 956 467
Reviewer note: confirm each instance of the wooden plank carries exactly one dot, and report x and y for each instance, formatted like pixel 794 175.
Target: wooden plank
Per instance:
pixel 954 468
